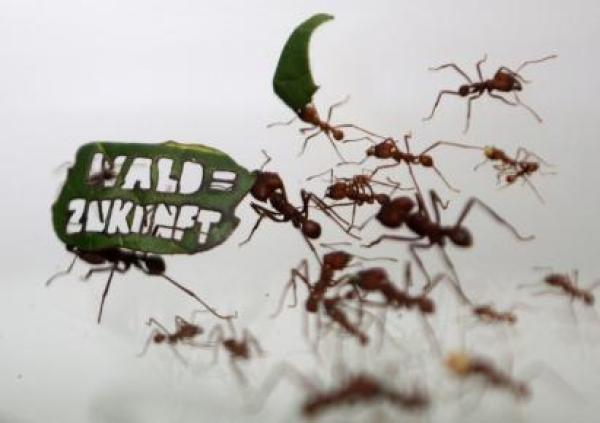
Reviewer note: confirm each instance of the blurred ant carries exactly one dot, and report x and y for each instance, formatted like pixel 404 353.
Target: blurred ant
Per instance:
pixel 487 313
pixel 238 348
pixel 121 261
pixel 333 262
pixel 464 365
pixel 268 187
pixel 355 389
pixel 568 286
pixel 310 115
pixel 185 332
pixel 431 231
pixel 505 80
pixel 388 149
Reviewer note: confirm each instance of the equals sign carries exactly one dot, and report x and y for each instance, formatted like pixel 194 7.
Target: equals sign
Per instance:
pixel 222 180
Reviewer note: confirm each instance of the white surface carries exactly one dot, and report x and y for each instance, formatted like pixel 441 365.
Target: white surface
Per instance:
pixel 148 71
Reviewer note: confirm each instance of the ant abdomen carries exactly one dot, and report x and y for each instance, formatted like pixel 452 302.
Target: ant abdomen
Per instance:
pixel 155 265
pixel 311 229
pixel 425 160
pixel 460 236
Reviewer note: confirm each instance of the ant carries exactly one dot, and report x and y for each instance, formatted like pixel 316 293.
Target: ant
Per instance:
pixel 431 231
pixel 238 348
pixel 359 190
pixel 464 365
pixel 388 149
pixel 358 388
pixel 310 115
pixel 333 262
pixel 487 313
pixel 505 80
pixel 184 333
pixel 269 187
pixel 121 261
pixel 568 285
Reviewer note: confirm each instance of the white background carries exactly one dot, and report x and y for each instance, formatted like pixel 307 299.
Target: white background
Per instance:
pixel 191 71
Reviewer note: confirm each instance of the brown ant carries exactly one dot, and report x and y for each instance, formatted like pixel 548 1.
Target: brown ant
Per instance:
pixel 464 365
pixel 333 262
pixel 121 261
pixel 185 332
pixel 505 80
pixel 310 115
pixel 487 313
pixel 238 348
pixel 568 285
pixel 268 187
pixel 358 388
pixel 401 210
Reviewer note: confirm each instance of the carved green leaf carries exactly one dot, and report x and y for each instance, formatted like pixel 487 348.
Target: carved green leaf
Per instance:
pixel 293 81
pixel 214 185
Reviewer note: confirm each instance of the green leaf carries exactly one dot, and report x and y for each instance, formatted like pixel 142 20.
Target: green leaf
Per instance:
pixel 293 81
pixel 78 223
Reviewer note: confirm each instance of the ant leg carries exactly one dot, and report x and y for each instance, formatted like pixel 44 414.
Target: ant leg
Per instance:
pixel 504 100
pixel 251 340
pixel 451 144
pixel 62 272
pixel 536 156
pixel 353 163
pixel 441 176
pixel 529 62
pixel 358 128
pixel 197 298
pixel 294 274
pixel 330 171
pixel 237 371
pixel 371 140
pixel 437 202
pixel 534 189
pixel 289 122
pixel 392 237
pixel 412 248
pixel 148 342
pixel 337 151
pixel 387 166
pixel 105 293
pixel 533 112
pixel 407 275
pixel 267 159
pixel 456 68
pixel 477 166
pixel 476 201
pixel 456 283
pixel 335 105
pixel 478 67
pixel 306 141
pixel 437 102
pixel 469 102
pixel 262 212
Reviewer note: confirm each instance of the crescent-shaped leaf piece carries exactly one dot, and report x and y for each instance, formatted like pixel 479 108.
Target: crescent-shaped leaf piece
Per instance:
pixel 293 82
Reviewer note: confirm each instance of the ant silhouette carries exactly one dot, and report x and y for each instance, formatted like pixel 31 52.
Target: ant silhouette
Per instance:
pixel 487 313
pixel 505 80
pixel 310 115
pixel 568 285
pixel 238 348
pixel 121 261
pixel 185 332
pixel 269 187
pixel 358 388
pixel 465 365
pixel 431 231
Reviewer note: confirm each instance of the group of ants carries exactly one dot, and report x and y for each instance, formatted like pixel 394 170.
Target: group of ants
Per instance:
pixel 343 299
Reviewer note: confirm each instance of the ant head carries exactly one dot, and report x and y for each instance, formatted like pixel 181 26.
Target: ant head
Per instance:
pixel 460 236
pixel 458 362
pixel 588 298
pixel 336 191
pixel 491 153
pixel 393 213
pixel 372 278
pixel 311 229
pixel 265 184
pixel 159 338
pixel 338 134
pixel 532 167
pixel 337 260
pixel 511 178
pixel 155 265
pixel 555 279
pixel 512 319
pixel 309 114
pixel 463 91
pixel 426 160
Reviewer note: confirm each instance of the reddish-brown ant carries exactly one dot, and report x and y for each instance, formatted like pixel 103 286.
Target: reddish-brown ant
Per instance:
pixel 464 365
pixel 487 313
pixel 356 389
pixel 121 261
pixel 185 332
pixel 333 262
pixel 568 285
pixel 505 80
pixel 310 115
pixel 238 348
pixel 400 210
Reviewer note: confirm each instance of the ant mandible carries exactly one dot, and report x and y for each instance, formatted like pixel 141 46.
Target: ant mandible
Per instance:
pixel 121 261
pixel 505 80
pixel 400 210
